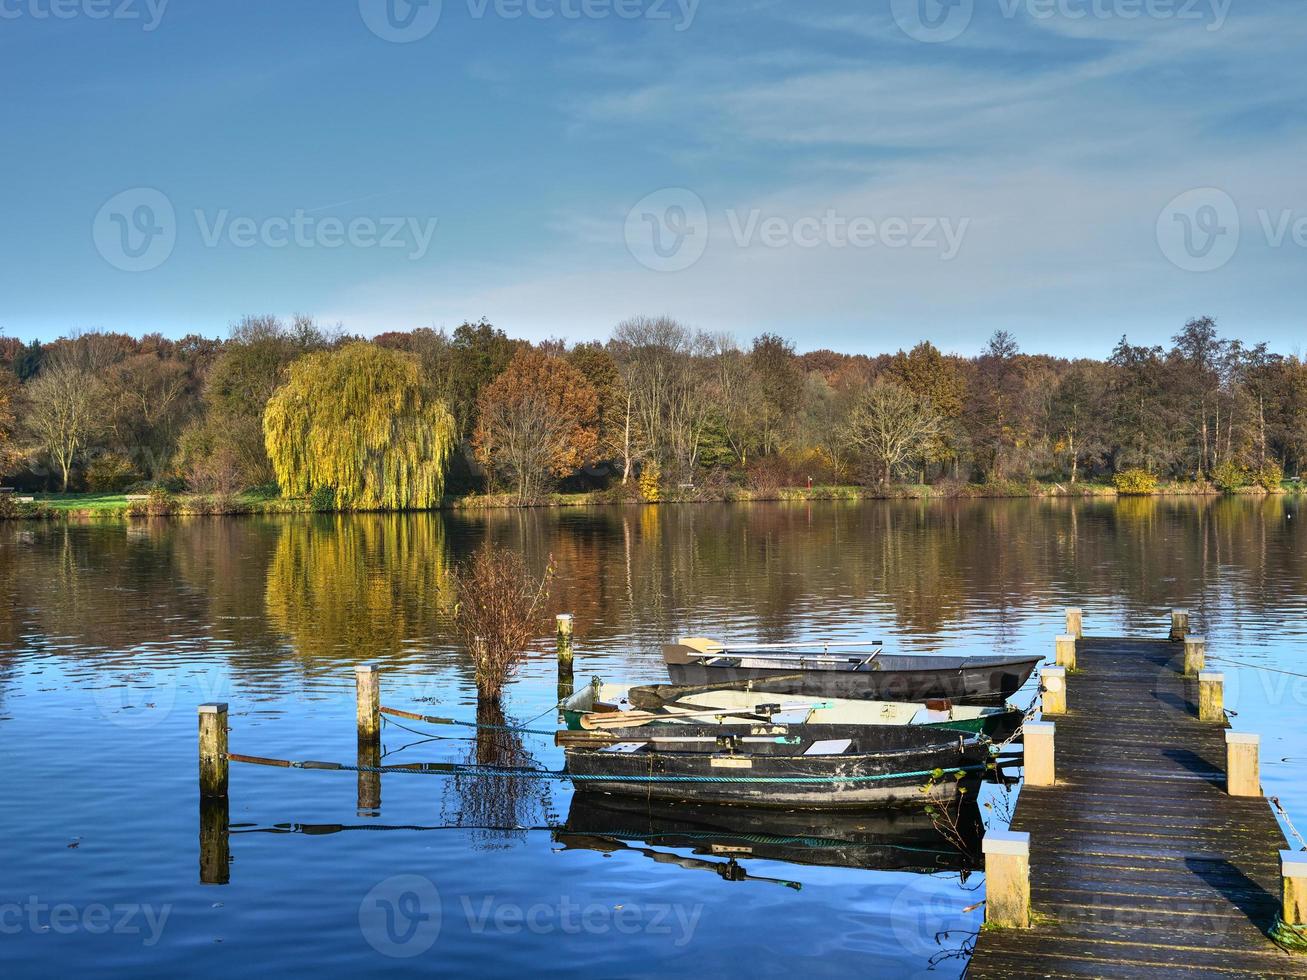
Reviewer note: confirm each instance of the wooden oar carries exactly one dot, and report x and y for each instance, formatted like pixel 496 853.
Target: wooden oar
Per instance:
pixel 634 719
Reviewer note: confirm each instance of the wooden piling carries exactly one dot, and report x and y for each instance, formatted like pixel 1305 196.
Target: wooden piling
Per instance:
pixel 1242 770
pixel 1052 682
pixel 1040 766
pixel 564 637
pixel 1075 623
pixel 1179 624
pixel 1064 648
pixel 1195 655
pixel 1007 879
pixel 213 750
pixel 1211 696
pixel 1293 894
pixel 368 692
pixel 565 676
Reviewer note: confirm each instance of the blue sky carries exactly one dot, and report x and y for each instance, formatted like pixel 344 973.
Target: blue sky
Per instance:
pixel 856 175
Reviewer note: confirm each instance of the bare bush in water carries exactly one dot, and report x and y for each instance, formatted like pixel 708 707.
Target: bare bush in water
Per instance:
pixel 500 609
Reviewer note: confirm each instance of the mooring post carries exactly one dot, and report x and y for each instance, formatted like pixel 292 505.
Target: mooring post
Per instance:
pixel 1052 681
pixel 1195 655
pixel 1064 648
pixel 565 682
pixel 1075 623
pixel 564 638
pixel 1041 769
pixel 213 750
pixel 367 684
pixel 1179 624
pixel 1211 695
pixel 1242 771
pixel 1007 878
pixel 1293 888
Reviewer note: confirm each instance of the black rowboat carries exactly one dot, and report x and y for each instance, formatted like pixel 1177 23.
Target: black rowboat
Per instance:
pixel 799 766
pixel 865 674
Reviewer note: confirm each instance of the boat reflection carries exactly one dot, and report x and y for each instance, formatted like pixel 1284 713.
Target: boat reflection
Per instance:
pixel 924 838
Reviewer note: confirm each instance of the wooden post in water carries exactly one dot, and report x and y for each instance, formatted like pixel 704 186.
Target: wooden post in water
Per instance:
pixel 1075 623
pixel 1293 888
pixel 1007 879
pixel 213 750
pixel 1065 649
pixel 1052 681
pixel 1179 624
pixel 1195 655
pixel 1041 769
pixel 215 841
pixel 367 684
pixel 565 682
pixel 1211 696
pixel 1242 771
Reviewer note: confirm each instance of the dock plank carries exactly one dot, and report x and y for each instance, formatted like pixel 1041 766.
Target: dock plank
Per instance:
pixel 1140 864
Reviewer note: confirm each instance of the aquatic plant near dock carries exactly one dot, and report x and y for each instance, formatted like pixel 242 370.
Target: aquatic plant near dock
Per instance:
pixel 500 610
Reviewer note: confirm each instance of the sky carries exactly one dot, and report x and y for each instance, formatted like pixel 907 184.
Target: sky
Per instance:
pixel 852 175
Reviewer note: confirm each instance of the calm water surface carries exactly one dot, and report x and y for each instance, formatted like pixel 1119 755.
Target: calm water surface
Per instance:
pixel 111 635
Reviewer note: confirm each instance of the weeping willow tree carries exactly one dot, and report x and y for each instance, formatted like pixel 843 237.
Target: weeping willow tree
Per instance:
pixel 360 422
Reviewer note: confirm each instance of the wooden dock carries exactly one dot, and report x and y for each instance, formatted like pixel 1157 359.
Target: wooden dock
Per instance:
pixel 1140 862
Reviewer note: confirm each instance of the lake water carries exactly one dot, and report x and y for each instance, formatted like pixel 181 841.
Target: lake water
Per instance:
pixel 110 636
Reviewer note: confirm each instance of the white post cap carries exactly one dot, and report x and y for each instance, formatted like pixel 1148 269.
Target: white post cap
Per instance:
pixel 1242 738
pixel 1211 677
pixel 366 669
pixel 1052 670
pixel 1039 729
pixel 1195 639
pixel 1293 864
pixel 1006 842
pixel 213 708
pixel 1066 638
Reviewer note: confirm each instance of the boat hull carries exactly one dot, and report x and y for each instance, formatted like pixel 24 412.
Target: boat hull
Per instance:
pixel 983 679
pixel 884 765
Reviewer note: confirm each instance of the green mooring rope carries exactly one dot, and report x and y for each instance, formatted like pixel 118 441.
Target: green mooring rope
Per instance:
pixel 1289 936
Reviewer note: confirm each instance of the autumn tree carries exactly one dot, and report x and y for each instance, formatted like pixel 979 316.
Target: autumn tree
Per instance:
pixel 9 451
pixel 777 383
pixel 64 411
pixel 615 429
pixel 927 373
pixel 361 422
pixel 891 427
pixel 478 354
pixel 536 421
pixel 252 365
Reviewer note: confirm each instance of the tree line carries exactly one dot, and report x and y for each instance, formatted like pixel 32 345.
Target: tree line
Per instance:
pixel 405 418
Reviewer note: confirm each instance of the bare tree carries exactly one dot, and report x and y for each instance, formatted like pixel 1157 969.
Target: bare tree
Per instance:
pixel 64 411
pixel 891 426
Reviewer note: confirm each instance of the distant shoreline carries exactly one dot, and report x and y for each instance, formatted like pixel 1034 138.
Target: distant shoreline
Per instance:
pixel 117 507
